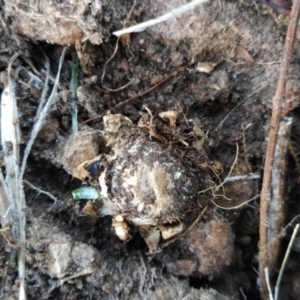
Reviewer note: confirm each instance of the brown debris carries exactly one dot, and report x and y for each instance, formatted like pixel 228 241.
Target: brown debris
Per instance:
pixel 281 6
pixel 48 133
pixel 80 148
pixel 60 25
pixel 245 55
pixel 206 250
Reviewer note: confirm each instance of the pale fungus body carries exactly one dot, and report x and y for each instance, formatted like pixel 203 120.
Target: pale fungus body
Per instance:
pixel 145 181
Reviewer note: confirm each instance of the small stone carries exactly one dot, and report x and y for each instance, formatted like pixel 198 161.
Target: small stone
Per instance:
pixel 85 257
pixel 49 131
pixel 81 147
pixel 60 254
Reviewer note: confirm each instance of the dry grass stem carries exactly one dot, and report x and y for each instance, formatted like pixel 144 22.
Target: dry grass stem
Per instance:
pixel 10 137
pixel 175 12
pixel 242 177
pixel 179 70
pixel 40 191
pixel 242 102
pixel 42 112
pixel 104 71
pixel 266 271
pixel 215 188
pixel 286 256
pixel 278 188
pixel 74 85
pixel 6 203
pixel 85 272
pixel 236 206
pixel 12 245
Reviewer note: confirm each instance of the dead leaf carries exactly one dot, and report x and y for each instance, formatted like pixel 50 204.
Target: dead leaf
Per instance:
pixel 156 79
pixel 244 54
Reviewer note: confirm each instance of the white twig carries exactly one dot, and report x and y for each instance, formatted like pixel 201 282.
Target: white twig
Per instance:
pixel 40 191
pixel 175 12
pixel 286 256
pixel 10 133
pixel 42 113
pixel 45 88
pixel 22 204
pixel 242 177
pixel 6 204
pixel 231 169
pixel 242 102
pixel 10 137
pixel 237 206
pixel 268 283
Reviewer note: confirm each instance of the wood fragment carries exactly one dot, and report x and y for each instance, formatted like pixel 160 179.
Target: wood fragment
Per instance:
pixel 278 188
pixel 277 106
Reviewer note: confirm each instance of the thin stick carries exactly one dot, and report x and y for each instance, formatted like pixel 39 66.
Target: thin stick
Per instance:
pixel 74 84
pixel 180 69
pixel 45 88
pixel 268 284
pixel 104 71
pixel 85 272
pixel 278 188
pixel 237 206
pixel 175 12
pixel 231 168
pixel 10 137
pixel 274 124
pixel 6 203
pixel 286 256
pixel 42 116
pixel 243 101
pixel 40 191
pixel 12 245
pixel 173 239
pixel 215 188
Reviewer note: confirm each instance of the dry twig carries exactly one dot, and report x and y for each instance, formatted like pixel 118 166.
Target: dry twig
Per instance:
pixel 15 167
pixel 179 70
pixel 272 141
pixel 41 191
pixel 175 73
pixel 278 187
pixel 286 256
pixel 175 12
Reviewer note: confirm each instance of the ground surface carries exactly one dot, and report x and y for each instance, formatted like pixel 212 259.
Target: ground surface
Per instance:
pixel 72 255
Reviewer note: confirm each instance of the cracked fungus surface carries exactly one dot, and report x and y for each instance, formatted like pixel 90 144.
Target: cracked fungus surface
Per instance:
pixel 147 182
pixel 145 179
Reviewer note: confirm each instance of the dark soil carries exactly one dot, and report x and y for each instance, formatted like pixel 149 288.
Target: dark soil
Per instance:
pixel 73 255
